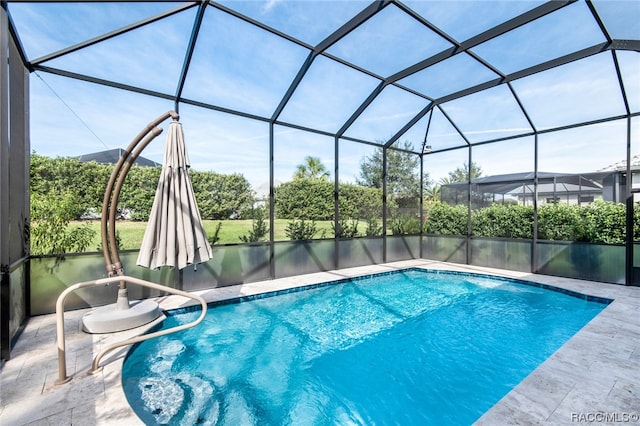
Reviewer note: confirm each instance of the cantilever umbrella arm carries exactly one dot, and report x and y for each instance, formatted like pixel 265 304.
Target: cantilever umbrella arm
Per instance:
pixel 112 193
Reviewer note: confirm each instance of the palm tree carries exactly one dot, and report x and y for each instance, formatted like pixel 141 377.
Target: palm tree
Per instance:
pixel 432 193
pixel 311 169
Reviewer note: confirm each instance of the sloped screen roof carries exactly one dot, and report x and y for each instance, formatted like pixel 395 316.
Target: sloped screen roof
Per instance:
pixel 449 73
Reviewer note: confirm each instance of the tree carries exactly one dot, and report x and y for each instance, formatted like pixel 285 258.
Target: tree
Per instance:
pixel 219 195
pixel 432 193
pixel 403 172
pixel 454 195
pixel 461 174
pixel 312 169
pixel 85 180
pixel 51 232
pixel 358 202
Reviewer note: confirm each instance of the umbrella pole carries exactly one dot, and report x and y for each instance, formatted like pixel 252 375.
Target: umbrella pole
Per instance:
pixel 122 302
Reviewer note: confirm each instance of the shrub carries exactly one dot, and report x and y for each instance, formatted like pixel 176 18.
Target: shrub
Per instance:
pixel 118 242
pixel 306 199
pixel 312 199
pixel 561 222
pixel 347 228
pixel 405 225
pixel 444 219
pixel 300 230
pixel 374 228
pixel 357 201
pixel 506 221
pixel 218 195
pixel 604 222
pixel 259 227
pixel 216 234
pixel 599 222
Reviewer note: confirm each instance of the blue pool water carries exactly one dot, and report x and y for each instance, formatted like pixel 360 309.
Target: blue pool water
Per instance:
pixel 410 347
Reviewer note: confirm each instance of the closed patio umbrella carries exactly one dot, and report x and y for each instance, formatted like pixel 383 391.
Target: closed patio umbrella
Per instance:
pixel 175 235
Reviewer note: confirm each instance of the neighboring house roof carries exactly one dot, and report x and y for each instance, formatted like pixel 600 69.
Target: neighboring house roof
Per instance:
pixel 518 182
pixel 622 165
pixel 112 156
pixel 262 190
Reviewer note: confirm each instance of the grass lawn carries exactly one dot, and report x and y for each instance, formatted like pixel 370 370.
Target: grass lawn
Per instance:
pixel 131 233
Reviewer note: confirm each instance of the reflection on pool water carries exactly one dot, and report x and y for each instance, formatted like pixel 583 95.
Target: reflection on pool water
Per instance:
pixel 407 347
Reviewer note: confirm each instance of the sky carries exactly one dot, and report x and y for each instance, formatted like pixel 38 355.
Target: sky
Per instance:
pixel 238 66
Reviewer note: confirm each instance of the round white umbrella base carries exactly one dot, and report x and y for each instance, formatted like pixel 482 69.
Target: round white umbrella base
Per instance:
pixel 110 319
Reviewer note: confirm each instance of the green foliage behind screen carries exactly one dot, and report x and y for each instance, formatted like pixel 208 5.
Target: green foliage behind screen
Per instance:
pixel 598 222
pixel 218 195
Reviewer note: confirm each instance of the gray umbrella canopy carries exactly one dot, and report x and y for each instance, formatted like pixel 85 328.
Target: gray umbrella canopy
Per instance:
pixel 175 235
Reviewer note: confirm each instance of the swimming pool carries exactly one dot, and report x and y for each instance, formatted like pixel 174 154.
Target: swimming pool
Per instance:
pixel 408 347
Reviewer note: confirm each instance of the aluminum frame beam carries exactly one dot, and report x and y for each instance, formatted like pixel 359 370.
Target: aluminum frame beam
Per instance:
pixel 195 31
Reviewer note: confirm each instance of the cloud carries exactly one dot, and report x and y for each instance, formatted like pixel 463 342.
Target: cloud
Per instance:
pixel 388 113
pixel 493 111
pixel 269 5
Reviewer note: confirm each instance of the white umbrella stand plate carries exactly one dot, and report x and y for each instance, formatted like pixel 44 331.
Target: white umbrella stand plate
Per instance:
pixel 111 319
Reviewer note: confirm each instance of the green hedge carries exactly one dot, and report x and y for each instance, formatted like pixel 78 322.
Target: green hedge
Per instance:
pixel 508 221
pixel 598 222
pixel 312 199
pixel 218 195
pixel 445 219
